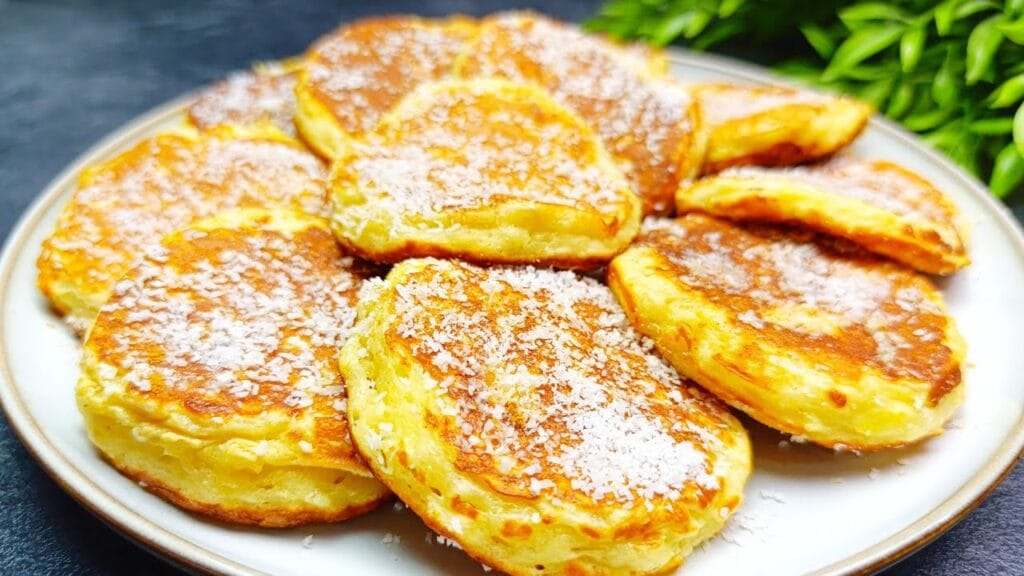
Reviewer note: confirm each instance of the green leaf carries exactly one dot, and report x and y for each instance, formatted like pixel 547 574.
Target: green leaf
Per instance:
pixel 872 72
pixel 911 46
pixel 617 28
pixel 945 88
pixel 622 9
pixel 876 93
pixel 1014 7
pixel 992 126
pixel 802 70
pixel 1008 93
pixel 670 28
pixel 982 45
pixel 861 45
pixel 697 24
pixel 945 138
pixel 965 154
pixel 727 8
pixel 968 9
pixel 944 16
pixel 1013 30
pixel 1018 128
pixel 923 121
pixel 854 15
pixel 720 32
pixel 901 100
pixel 819 39
pixel 688 24
pixel 1007 171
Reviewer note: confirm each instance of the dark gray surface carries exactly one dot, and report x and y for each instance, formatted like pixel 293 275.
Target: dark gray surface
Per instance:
pixel 70 72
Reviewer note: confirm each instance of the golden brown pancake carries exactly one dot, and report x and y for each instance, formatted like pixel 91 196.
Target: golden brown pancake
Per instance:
pixel 806 334
pixel 485 170
pixel 518 413
pixel 647 121
pixel 210 375
pixel 775 126
pixel 354 75
pixel 265 94
pixel 162 184
pixel 876 204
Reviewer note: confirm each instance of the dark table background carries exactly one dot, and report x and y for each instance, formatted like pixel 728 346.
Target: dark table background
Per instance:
pixel 70 72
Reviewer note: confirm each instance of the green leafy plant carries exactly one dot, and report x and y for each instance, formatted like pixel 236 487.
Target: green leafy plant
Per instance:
pixel 952 71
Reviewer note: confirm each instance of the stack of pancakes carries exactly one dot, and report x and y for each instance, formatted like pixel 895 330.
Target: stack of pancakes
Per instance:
pixel 249 355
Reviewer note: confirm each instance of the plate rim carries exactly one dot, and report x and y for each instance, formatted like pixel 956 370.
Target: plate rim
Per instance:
pixel 171 546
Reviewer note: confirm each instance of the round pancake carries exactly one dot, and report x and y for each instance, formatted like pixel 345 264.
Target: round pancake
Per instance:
pixel 518 413
pixel 647 121
pixel 160 185
pixel 265 94
pixel 359 72
pixel 210 375
pixel 775 126
pixel 806 334
pixel 881 206
pixel 485 170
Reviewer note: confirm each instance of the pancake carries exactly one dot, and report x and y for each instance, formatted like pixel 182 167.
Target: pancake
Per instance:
pixel 160 185
pixel 516 411
pixel 210 375
pixel 806 334
pixel 484 170
pixel 647 121
pixel 265 94
pixel 359 72
pixel 775 126
pixel 879 205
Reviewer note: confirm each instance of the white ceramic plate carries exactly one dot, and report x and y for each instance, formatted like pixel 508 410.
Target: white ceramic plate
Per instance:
pixel 807 510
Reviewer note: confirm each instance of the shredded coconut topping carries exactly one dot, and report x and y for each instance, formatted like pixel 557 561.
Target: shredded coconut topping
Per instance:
pixel 164 184
pixel 230 318
pixel 469 145
pixel 550 386
pixel 787 283
pixel 643 119
pixel 246 98
pixel 879 183
pixel 364 69
pixel 723 103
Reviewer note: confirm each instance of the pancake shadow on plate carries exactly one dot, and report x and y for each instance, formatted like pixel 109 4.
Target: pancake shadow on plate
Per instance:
pixel 778 454
pixel 395 533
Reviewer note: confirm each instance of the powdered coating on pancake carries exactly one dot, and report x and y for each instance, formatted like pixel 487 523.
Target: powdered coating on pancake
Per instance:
pixel 163 184
pixel 870 311
pixel 236 323
pixel 722 103
pixel 644 120
pixel 468 145
pixel 876 182
pixel 364 69
pixel 550 390
pixel 247 98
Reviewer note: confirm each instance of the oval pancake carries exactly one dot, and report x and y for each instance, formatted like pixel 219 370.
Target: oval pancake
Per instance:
pixel 160 185
pixel 879 205
pixel 775 126
pixel 210 375
pixel 265 94
pixel 647 121
pixel 805 334
pixel 518 413
pixel 356 74
pixel 485 170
